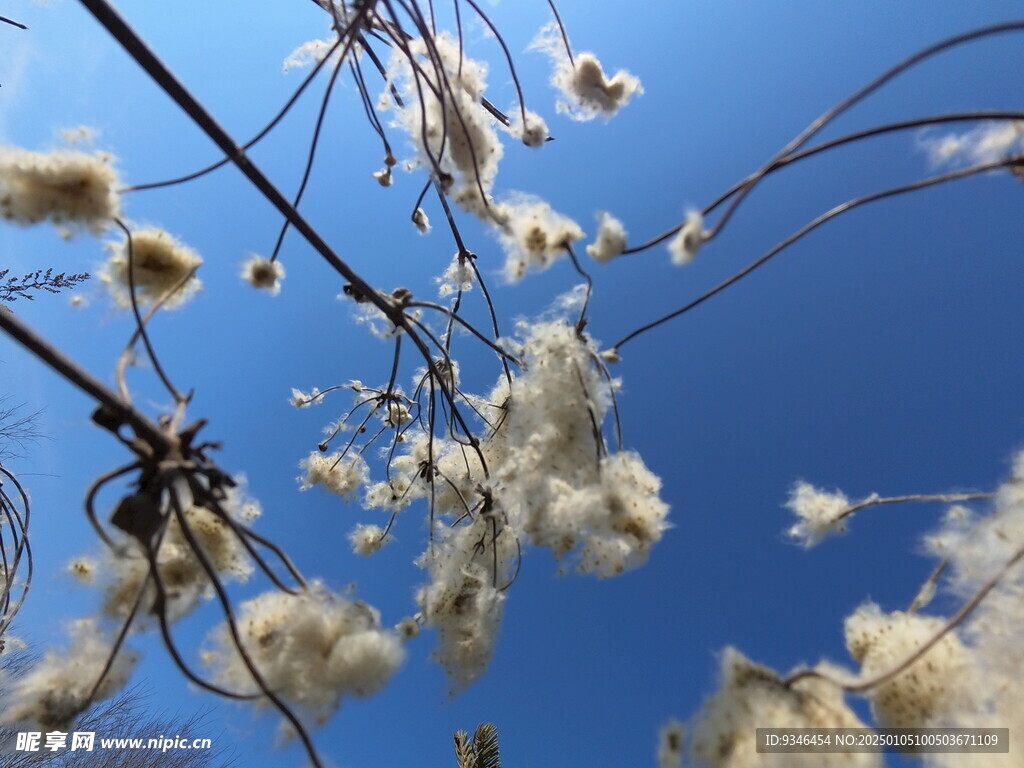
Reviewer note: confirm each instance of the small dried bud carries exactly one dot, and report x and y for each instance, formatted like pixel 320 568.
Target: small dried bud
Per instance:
pixel 408 628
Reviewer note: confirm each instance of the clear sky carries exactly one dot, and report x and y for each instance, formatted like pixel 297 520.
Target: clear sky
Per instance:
pixel 880 354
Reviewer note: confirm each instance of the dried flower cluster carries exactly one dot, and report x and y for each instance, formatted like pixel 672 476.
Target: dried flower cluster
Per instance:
pixel 542 474
pixel 442 114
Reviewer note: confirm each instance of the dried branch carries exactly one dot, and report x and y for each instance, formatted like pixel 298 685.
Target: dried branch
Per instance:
pixel 14 288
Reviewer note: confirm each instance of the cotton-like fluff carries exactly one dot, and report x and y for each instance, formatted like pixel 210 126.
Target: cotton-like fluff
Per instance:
pixel 343 475
pixel 670 745
pixel 978 546
pixel 468 566
pixel 989 142
pixel 977 549
pixel 367 539
pixel 379 324
pixel 69 188
pixel 609 526
pixel 394 414
pixel 312 649
pixel 342 15
pixel 451 487
pixel 751 696
pixel 692 235
pixel 587 90
pixel 532 130
pixel 421 221
pixel 611 238
pixel 84 569
pixel 308 54
pixel 408 628
pixel 548 467
pixel 260 272
pixel 548 426
pixel 459 276
pixel 931 691
pixel 124 571
pixel 818 512
pixel 160 263
pixel 549 481
pixel 533 235
pixel 453 134
pixel 302 399
pixel 457 469
pixel 567 492
pixel 55 690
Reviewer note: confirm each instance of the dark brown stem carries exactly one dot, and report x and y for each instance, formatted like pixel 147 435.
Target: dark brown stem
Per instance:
pixel 85 381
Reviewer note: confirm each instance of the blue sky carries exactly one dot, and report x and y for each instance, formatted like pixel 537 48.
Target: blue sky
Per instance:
pixel 881 353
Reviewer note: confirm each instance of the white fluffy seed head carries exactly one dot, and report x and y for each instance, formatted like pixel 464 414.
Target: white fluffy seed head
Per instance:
pixel 601 513
pixel 466 609
pixel 260 272
pixel 586 90
pixel 533 132
pixel 367 539
pixel 684 246
pixel 608 526
pixel 160 264
pixel 611 356
pixel 421 221
pixel 459 276
pixel 69 188
pixel 341 475
pixel 991 141
pixel 307 54
pixel 751 696
pixel 670 745
pixel 977 547
pixel 818 511
pixel 56 690
pixel 611 238
pixel 395 414
pixel 302 399
pixel 453 131
pixel 84 569
pixel 533 235
pixel 124 571
pixel 550 481
pixel 313 649
pixel 929 692
pixel 408 628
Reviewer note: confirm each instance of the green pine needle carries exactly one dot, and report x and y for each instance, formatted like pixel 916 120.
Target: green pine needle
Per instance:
pixel 485 740
pixel 481 751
